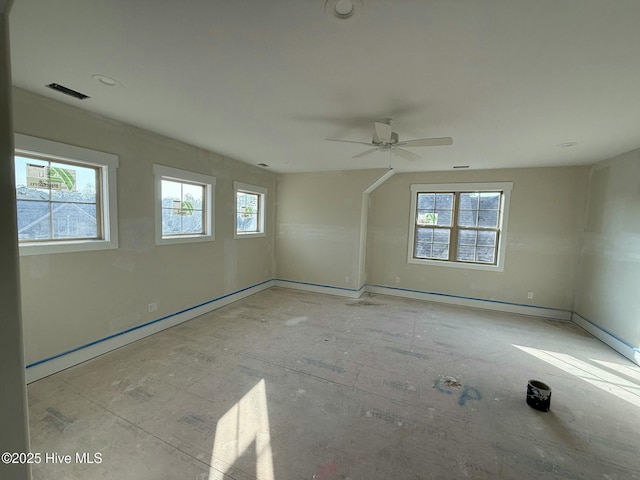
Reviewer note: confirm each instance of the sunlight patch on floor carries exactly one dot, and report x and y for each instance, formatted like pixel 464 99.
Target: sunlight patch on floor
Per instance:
pixel 243 425
pixel 622 388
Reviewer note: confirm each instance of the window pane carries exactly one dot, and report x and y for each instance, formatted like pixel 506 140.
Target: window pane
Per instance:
pixel 441 236
pixel 469 201
pixel 483 252
pixel 194 194
pixel 467 237
pixel 71 220
pixel 444 201
pixel 67 191
pixel 488 218
pixel 182 208
pixel 434 209
pixel 423 250
pixel 425 235
pixel 440 251
pixel 247 213
pixel 170 191
pixel 34 222
pixel 485 255
pixel 432 243
pixel 487 238
pixel 192 223
pixel 426 201
pixel 27 189
pixel 468 218
pixel 171 224
pixel 444 217
pixel 490 200
pixel 76 183
pixel 466 253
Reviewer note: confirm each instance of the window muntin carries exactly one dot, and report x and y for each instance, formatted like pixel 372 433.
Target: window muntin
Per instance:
pixel 184 206
pixel 249 210
pixel 459 224
pixel 65 197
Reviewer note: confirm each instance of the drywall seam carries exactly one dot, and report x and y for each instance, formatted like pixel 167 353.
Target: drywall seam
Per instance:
pixel 318 288
pixel 56 363
pixel 618 344
pixel 364 215
pixel 545 312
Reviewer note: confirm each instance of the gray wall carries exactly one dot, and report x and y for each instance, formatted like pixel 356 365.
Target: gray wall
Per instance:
pixel 609 282
pixel 14 436
pixel 70 299
pixel 319 225
pixel 544 228
pixel 319 215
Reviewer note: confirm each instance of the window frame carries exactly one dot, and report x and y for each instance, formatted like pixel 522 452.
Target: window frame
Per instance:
pixel 262 202
pixel 162 172
pixel 457 188
pixel 106 205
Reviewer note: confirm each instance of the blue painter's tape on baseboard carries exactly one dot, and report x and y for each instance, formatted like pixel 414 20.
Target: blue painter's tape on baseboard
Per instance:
pixel 612 335
pixel 320 285
pixel 143 325
pixel 448 295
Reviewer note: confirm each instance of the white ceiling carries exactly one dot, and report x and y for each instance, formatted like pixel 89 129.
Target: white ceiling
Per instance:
pixel 266 81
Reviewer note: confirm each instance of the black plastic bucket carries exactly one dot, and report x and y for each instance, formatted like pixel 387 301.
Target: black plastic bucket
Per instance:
pixel 538 395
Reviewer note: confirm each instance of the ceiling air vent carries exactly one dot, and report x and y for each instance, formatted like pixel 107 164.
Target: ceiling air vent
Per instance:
pixel 67 91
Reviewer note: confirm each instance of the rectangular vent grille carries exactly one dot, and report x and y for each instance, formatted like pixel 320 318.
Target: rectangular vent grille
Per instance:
pixel 67 91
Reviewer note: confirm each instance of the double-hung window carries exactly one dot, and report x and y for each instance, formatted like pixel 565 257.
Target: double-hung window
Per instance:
pixel 250 201
pixel 184 206
pixel 65 197
pixel 459 224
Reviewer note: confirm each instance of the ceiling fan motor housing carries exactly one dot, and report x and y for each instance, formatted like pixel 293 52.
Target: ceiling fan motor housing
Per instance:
pixel 393 139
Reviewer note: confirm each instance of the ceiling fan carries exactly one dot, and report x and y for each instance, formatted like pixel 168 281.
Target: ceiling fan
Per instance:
pixel 386 140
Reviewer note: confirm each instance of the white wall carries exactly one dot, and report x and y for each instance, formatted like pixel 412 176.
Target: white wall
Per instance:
pixel 14 436
pixel 608 291
pixel 70 299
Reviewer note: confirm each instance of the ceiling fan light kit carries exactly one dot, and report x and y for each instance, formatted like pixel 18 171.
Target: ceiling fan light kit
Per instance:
pixel 386 140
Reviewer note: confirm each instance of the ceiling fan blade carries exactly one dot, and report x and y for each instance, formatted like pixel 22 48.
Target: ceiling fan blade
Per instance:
pixel 406 154
pixel 365 153
pixel 348 141
pixel 383 131
pixel 427 142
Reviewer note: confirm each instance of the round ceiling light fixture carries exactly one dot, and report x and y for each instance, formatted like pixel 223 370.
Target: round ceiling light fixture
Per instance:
pixel 106 81
pixel 342 10
pixel 567 144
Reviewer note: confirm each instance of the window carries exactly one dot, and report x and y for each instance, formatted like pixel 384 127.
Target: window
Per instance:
pixel 65 197
pixel 184 206
pixel 459 224
pixel 249 211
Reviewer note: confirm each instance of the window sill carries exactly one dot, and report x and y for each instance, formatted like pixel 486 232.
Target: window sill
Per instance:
pixel 249 235
pixel 446 264
pixel 185 239
pixel 45 248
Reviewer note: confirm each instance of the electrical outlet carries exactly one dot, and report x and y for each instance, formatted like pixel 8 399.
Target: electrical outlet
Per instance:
pixel 397 279
pixel 530 295
pixel 346 279
pixel 153 307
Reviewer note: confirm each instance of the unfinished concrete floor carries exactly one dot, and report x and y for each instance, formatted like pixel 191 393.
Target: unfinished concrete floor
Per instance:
pixel 291 385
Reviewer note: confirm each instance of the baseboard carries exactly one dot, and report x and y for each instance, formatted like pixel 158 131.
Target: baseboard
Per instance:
pixel 318 288
pixel 554 313
pixel 619 345
pixel 82 353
